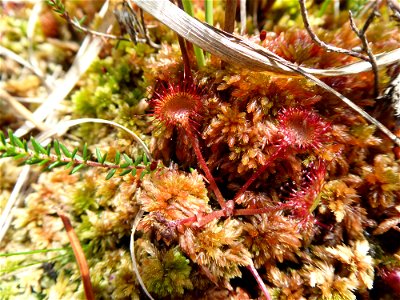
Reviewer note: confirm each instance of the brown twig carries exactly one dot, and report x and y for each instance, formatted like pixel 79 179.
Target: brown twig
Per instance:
pixel 230 15
pixel 79 256
pixel 395 7
pixel 126 18
pixel 322 44
pixel 185 57
pixel 146 32
pixel 361 35
pixel 184 50
pixel 83 29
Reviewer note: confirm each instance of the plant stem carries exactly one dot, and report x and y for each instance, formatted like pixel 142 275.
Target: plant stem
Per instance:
pixel 260 282
pixel 209 17
pixel 209 12
pixel 280 152
pixel 198 52
pixel 76 161
pixel 79 256
pixel 230 15
pixel 229 25
pixel 204 167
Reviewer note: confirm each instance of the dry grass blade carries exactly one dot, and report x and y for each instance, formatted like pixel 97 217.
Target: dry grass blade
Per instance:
pixel 10 54
pixel 22 110
pixel 238 51
pixel 12 202
pixel 79 255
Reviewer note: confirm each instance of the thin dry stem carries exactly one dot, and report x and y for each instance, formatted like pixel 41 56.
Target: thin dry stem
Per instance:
pixel 146 32
pixel 184 50
pixel 361 35
pixel 319 42
pixel 10 54
pixel 242 17
pixel 229 25
pixel 22 110
pixel 79 256
pixel 65 15
pixel 12 202
pixel 139 215
pixel 395 7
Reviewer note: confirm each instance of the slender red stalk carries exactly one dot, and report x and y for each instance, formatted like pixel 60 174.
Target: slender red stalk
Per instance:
pixel 204 167
pixel 255 211
pixel 280 152
pixel 203 220
pixel 260 282
pixel 216 214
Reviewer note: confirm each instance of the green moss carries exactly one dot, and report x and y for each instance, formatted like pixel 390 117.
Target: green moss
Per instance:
pixel 84 196
pixel 113 86
pixel 13 33
pixel 165 272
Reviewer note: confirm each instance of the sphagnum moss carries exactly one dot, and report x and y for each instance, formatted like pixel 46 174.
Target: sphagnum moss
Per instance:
pixel 319 221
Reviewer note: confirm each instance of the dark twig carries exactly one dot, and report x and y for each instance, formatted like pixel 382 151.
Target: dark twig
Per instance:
pixel 322 44
pixel 230 15
pixel 361 35
pixel 59 8
pixel 184 50
pixel 129 21
pixel 395 7
pixel 126 18
pixel 146 32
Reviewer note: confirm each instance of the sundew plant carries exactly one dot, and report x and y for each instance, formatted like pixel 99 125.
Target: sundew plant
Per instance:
pixel 200 149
